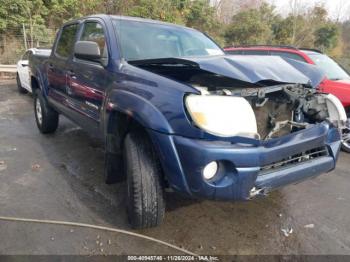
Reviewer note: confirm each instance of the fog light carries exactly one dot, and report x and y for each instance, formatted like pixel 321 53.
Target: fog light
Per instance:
pixel 210 170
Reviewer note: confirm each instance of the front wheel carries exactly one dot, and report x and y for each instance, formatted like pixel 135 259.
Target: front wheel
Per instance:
pixel 45 116
pixel 145 195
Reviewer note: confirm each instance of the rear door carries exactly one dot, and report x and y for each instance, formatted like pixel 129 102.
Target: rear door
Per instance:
pixel 87 80
pixel 57 66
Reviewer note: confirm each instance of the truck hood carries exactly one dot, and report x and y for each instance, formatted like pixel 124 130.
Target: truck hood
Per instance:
pixel 249 69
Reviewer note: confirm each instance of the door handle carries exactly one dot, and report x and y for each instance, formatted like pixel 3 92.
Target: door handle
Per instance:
pixel 71 74
pixel 50 67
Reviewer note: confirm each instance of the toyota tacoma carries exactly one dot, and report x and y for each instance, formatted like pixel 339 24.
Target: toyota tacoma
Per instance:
pixel 175 112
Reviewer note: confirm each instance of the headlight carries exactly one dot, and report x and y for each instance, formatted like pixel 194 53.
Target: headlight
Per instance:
pixel 222 115
pixel 336 110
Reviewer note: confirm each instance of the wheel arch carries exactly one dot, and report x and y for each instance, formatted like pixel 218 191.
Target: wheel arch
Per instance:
pixel 125 110
pixel 119 126
pixel 37 81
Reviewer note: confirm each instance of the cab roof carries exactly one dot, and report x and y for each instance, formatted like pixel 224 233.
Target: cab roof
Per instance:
pixel 126 18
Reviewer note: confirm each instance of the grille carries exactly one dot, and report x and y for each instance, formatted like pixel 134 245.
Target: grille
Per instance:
pixel 294 159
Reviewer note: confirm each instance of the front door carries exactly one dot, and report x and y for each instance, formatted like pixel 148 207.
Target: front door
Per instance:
pixel 87 80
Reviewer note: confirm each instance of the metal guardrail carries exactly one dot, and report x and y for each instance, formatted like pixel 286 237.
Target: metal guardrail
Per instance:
pixel 8 68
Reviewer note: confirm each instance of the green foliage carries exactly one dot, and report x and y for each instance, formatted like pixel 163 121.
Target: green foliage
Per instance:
pixel 198 14
pixel 160 10
pixel 252 26
pixel 62 10
pixel 326 37
pixel 260 25
pixel 282 30
pixel 14 13
pixel 263 26
pixel 30 13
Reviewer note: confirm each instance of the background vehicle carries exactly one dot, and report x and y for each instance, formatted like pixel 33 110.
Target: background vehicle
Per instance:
pixel 337 81
pixel 23 78
pixel 174 111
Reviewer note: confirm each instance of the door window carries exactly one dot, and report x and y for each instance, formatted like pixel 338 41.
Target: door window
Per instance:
pixel 66 41
pixel 93 31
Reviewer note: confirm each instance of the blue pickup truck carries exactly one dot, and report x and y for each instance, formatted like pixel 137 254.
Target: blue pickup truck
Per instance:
pixel 175 112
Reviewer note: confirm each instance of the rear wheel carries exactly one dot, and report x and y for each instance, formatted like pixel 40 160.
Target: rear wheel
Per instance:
pixel 45 116
pixel 145 195
pixel 21 90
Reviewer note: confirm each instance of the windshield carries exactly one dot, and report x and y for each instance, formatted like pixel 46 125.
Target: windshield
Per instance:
pixel 144 40
pixel 332 70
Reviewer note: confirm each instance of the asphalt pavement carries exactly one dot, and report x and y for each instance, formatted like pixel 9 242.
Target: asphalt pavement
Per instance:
pixel 60 177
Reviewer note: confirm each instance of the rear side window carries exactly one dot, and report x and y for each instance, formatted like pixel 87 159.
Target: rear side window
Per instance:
pixel 93 31
pixel 288 55
pixel 66 41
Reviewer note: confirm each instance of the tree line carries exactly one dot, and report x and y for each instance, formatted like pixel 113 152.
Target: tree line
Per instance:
pixel 229 22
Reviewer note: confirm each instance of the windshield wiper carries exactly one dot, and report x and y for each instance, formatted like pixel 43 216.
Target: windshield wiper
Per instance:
pixel 164 62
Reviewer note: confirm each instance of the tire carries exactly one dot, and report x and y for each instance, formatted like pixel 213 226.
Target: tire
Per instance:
pixel 21 90
pixel 45 116
pixel 145 194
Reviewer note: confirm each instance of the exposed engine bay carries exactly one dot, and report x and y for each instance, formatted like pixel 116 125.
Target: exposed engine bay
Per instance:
pixel 279 108
pixel 282 109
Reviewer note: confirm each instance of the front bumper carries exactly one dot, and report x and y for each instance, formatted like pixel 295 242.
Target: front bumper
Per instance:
pixel 241 165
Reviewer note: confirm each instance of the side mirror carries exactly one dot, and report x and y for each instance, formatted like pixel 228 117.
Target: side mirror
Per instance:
pixel 87 50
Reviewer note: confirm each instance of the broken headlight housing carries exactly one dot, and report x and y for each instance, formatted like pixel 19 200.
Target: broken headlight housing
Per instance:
pixel 223 116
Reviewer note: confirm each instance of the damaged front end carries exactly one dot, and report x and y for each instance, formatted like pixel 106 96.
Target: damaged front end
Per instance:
pixel 283 109
pixel 268 126
pixel 281 94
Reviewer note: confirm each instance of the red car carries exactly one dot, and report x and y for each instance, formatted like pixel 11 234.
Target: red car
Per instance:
pixel 337 81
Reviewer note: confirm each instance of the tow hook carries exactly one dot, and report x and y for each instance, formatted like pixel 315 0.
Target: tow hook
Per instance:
pixel 257 192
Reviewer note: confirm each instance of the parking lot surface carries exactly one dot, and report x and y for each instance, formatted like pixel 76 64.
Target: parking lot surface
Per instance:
pixel 60 177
